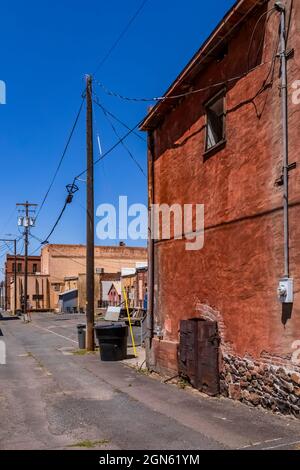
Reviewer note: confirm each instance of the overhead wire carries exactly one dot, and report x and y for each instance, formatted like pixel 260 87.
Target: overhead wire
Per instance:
pixel 62 157
pixel 96 101
pixel 57 221
pixel 114 146
pixel 123 144
pixel 180 95
pixel 121 35
pixel 8 220
pixel 105 58
pixel 162 98
pixel 267 14
pixel 58 251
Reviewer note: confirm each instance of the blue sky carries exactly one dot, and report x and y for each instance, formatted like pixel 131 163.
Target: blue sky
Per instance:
pixel 46 49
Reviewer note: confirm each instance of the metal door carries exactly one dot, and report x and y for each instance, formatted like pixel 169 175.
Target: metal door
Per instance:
pixel 199 354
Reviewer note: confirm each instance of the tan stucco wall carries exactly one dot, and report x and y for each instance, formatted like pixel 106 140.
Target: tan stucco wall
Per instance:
pixel 36 284
pixel 60 261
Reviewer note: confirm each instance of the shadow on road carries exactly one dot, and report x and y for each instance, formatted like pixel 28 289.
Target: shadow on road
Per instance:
pixel 8 318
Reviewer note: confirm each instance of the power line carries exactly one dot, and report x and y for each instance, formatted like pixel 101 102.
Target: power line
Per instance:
pixel 8 220
pixel 97 102
pixel 191 92
pixel 123 144
pixel 121 35
pixel 181 95
pixel 132 130
pixel 62 157
pixel 111 149
pixel 57 251
pixel 72 188
pixel 6 251
pixel 265 14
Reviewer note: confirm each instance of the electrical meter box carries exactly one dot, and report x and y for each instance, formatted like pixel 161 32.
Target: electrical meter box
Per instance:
pixel 286 290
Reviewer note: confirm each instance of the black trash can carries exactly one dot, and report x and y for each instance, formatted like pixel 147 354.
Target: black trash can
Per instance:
pixel 81 330
pixel 112 341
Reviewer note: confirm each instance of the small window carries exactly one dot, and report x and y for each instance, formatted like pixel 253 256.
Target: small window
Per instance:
pixel 37 297
pixel 215 121
pixel 34 268
pixel 19 267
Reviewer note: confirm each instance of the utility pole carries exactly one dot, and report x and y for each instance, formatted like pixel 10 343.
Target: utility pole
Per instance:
pixel 26 222
pixel 90 242
pixel 15 270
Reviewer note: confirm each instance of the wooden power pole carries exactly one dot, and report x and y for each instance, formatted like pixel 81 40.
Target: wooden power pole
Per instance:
pixel 26 223
pixel 90 341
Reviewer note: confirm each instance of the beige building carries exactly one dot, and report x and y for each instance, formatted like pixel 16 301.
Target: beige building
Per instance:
pixel 66 267
pixel 38 292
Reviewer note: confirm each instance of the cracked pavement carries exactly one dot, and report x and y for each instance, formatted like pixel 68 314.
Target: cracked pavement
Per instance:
pixel 51 398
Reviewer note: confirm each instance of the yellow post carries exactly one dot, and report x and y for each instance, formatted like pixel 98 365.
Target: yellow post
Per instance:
pixel 129 320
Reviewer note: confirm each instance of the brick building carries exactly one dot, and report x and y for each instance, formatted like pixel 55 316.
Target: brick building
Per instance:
pixel 223 147
pixel 34 266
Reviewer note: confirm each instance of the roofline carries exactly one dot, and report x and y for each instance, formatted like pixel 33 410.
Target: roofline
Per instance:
pixel 147 123
pixel 36 257
pixel 115 247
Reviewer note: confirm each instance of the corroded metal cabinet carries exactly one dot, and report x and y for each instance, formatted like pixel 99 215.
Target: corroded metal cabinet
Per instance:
pixel 199 354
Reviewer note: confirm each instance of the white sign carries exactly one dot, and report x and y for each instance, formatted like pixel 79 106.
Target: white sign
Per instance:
pixel 2 353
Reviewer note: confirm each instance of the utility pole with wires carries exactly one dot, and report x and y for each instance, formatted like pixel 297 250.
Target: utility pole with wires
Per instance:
pixel 26 222
pixel 7 240
pixel 90 242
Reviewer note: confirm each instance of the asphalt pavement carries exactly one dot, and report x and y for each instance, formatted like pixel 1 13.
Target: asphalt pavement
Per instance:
pixel 52 397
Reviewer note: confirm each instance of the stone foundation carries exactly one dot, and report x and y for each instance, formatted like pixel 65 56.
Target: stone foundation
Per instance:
pixel 256 383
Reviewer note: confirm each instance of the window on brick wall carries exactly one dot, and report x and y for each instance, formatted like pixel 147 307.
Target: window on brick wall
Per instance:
pixel 215 121
pixel 19 267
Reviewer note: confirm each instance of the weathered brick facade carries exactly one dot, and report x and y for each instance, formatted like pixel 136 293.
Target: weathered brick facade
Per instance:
pixel 234 278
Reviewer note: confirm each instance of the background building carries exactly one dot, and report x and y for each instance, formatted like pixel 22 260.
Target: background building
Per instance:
pixel 66 261
pixel 38 292
pixel 34 266
pixel 2 295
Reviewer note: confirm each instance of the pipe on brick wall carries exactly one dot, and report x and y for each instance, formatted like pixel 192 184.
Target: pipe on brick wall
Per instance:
pixel 284 104
pixel 150 306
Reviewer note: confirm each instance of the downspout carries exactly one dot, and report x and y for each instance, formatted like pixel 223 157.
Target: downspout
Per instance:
pixel 284 100
pixel 150 306
pixel 285 290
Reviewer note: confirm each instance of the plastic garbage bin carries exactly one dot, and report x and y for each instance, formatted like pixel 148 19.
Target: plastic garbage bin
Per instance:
pixel 112 341
pixel 81 330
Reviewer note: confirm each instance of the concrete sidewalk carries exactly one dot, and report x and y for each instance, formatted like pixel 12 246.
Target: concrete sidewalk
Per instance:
pixel 51 398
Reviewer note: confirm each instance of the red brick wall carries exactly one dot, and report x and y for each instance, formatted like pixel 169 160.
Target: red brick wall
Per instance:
pixel 237 272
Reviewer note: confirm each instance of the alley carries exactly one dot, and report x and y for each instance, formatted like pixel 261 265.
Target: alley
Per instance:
pixel 53 398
